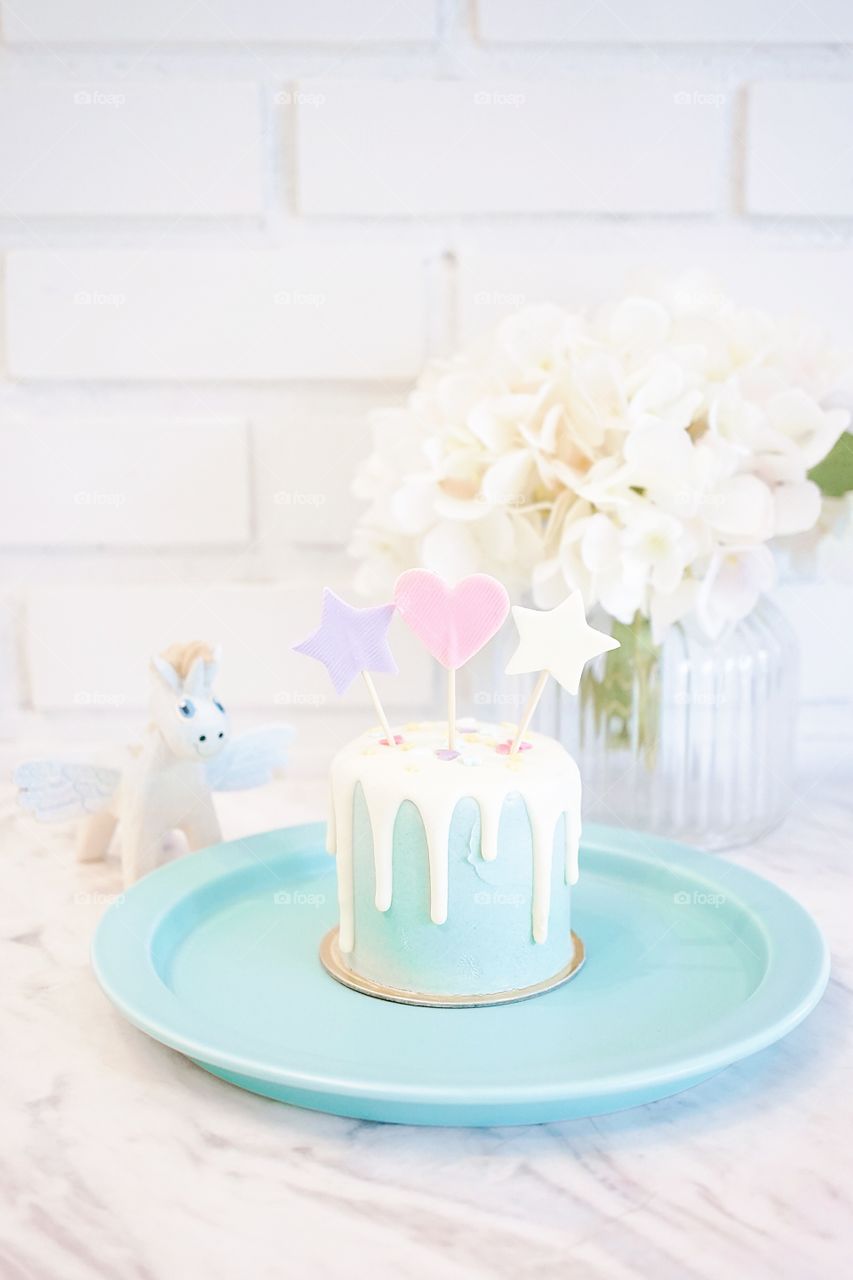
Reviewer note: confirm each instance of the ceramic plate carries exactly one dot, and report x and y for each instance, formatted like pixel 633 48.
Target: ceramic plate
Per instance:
pixel 691 964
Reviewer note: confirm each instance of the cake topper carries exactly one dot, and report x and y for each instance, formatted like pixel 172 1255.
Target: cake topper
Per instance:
pixel 351 641
pixel 453 622
pixel 165 783
pixel 557 642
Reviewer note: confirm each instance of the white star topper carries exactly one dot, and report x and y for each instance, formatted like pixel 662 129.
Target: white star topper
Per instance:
pixel 557 642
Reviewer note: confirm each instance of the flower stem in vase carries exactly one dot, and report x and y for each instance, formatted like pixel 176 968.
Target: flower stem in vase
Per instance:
pixel 625 697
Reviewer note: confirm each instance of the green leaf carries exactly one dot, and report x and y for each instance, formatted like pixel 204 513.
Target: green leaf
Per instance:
pixel 834 475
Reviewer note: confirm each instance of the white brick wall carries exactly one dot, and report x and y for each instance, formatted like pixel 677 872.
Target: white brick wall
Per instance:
pixel 125 483
pixel 798 162
pixel 253 315
pixel 656 22
pixel 583 146
pixel 100 149
pixel 229 228
pixel 810 282
pixel 326 22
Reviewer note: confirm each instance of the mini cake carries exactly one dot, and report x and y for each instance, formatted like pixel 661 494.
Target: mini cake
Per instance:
pixel 455 868
pixel 457 844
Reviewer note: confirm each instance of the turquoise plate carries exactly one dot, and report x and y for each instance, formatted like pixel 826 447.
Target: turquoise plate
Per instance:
pixel 692 963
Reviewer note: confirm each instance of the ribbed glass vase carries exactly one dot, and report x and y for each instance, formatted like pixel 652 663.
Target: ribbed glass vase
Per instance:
pixel 690 739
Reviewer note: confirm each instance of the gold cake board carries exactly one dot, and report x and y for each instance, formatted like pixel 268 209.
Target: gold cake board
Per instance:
pixel 332 960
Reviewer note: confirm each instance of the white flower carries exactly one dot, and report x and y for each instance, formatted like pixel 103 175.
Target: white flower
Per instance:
pixel 796 507
pixel 666 608
pixel 657 547
pixel 741 507
pixel 734 580
pixel 647 454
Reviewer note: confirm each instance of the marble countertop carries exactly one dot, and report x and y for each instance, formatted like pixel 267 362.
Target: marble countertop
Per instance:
pixel 122 1159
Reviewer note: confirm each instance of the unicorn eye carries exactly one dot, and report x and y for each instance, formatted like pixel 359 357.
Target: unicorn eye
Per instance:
pixel 186 708
pixel 219 706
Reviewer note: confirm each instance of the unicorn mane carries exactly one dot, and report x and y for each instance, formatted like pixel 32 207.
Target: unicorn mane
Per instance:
pixel 181 657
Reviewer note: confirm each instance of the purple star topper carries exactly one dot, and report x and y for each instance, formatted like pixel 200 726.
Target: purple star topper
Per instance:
pixel 350 641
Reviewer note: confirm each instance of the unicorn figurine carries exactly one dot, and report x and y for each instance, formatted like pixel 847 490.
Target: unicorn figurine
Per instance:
pixel 165 783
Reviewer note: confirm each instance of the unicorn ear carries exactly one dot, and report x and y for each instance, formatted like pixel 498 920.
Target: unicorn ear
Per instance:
pixel 211 667
pixel 166 672
pixel 195 681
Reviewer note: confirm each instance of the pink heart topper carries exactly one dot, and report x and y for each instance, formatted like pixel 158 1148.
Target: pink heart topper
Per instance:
pixel 453 622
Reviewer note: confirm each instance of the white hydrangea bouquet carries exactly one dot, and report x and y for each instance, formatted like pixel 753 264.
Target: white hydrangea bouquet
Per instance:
pixel 649 453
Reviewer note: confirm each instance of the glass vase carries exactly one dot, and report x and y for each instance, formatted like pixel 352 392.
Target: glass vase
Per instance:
pixel 691 739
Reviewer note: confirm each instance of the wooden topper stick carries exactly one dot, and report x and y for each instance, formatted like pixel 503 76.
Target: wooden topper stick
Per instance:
pixel 451 709
pixel 380 712
pixel 533 703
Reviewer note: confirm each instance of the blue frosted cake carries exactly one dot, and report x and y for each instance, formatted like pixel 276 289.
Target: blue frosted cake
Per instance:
pixel 455 868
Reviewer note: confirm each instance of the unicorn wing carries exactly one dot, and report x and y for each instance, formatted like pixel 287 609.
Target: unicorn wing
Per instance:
pixel 250 760
pixel 53 790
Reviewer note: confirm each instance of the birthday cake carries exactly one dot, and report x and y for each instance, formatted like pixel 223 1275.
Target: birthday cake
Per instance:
pixel 456 841
pixel 455 869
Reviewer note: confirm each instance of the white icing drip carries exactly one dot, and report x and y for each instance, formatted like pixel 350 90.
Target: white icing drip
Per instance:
pixel 330 825
pixel 573 839
pixel 543 851
pixel 343 796
pixel 545 777
pixel 437 828
pixel 490 821
pixel 382 820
